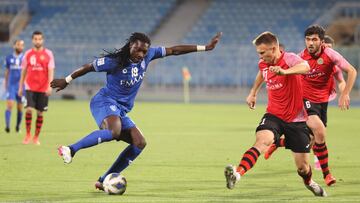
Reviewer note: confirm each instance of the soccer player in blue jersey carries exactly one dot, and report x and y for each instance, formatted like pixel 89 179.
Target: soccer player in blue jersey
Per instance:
pixel 12 65
pixel 125 70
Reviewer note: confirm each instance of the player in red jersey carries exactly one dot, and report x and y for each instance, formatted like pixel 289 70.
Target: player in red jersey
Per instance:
pixel 285 113
pixel 319 88
pixel 37 72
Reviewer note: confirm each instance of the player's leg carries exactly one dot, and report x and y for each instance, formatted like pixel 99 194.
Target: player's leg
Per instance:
pixel 264 138
pixel 105 112
pixel 92 139
pixel 268 130
pixel 41 105
pixel 320 149
pixel 19 115
pixel 304 171
pixel 9 105
pixel 29 108
pixel 297 137
pixel 135 138
pixel 273 147
pixel 38 125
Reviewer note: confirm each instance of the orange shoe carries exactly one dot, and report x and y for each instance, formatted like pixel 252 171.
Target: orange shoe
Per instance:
pixel 269 152
pixel 36 140
pixel 330 180
pixel 27 139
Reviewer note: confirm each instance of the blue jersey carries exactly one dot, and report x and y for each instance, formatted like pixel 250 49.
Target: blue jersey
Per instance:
pixel 13 64
pixel 122 84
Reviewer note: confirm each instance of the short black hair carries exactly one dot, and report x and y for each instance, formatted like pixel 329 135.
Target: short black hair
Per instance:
pixel 36 32
pixel 265 38
pixel 315 29
pixel 329 40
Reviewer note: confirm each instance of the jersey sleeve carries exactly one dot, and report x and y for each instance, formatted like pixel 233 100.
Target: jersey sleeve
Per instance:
pixel 104 64
pixel 337 59
pixel 292 59
pixel 156 52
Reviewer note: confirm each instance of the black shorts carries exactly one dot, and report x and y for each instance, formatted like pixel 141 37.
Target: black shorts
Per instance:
pixel 319 109
pixel 37 100
pixel 296 133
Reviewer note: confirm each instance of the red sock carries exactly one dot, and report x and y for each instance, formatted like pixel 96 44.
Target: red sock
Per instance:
pixel 28 117
pixel 248 160
pixel 282 142
pixel 321 152
pixel 39 122
pixel 306 177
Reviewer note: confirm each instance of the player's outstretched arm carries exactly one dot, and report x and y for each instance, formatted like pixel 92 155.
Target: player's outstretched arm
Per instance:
pixel 344 99
pixel 300 68
pixel 251 98
pixel 184 49
pixel 60 84
pixel 21 81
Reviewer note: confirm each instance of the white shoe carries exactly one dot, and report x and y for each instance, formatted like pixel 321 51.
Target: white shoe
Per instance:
pixel 231 176
pixel 316 189
pixel 65 153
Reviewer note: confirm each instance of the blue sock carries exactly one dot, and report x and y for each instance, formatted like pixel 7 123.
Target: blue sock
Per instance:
pixel 19 118
pixel 125 158
pixel 94 138
pixel 7 118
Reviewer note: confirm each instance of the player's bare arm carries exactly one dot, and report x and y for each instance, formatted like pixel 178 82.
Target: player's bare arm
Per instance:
pixel 344 99
pixel 6 78
pixel 51 77
pixel 60 84
pixel 21 82
pixel 300 68
pixel 184 49
pixel 251 98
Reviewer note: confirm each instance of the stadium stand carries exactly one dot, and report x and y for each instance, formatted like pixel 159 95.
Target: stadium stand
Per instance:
pixel 77 31
pixel 234 62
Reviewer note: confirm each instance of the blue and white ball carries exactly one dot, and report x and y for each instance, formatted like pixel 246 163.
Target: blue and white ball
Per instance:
pixel 114 184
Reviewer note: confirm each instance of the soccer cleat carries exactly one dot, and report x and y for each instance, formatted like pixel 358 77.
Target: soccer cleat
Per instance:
pixel 330 180
pixel 269 152
pixel 317 165
pixel 7 129
pixel 17 129
pixel 65 153
pixel 27 139
pixel 99 185
pixel 231 176
pixel 316 189
pixel 36 140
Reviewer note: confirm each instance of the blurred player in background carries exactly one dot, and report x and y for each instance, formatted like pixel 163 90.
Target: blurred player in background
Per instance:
pixel 37 72
pixel 12 77
pixel 285 113
pixel 125 69
pixel 319 89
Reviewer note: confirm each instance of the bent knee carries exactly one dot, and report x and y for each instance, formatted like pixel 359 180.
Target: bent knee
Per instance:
pixel 116 133
pixel 303 169
pixel 141 144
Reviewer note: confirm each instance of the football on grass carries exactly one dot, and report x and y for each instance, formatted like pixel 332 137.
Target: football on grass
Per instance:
pixel 114 184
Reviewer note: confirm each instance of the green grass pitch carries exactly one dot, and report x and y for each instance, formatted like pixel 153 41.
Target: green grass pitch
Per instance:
pixel 188 148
